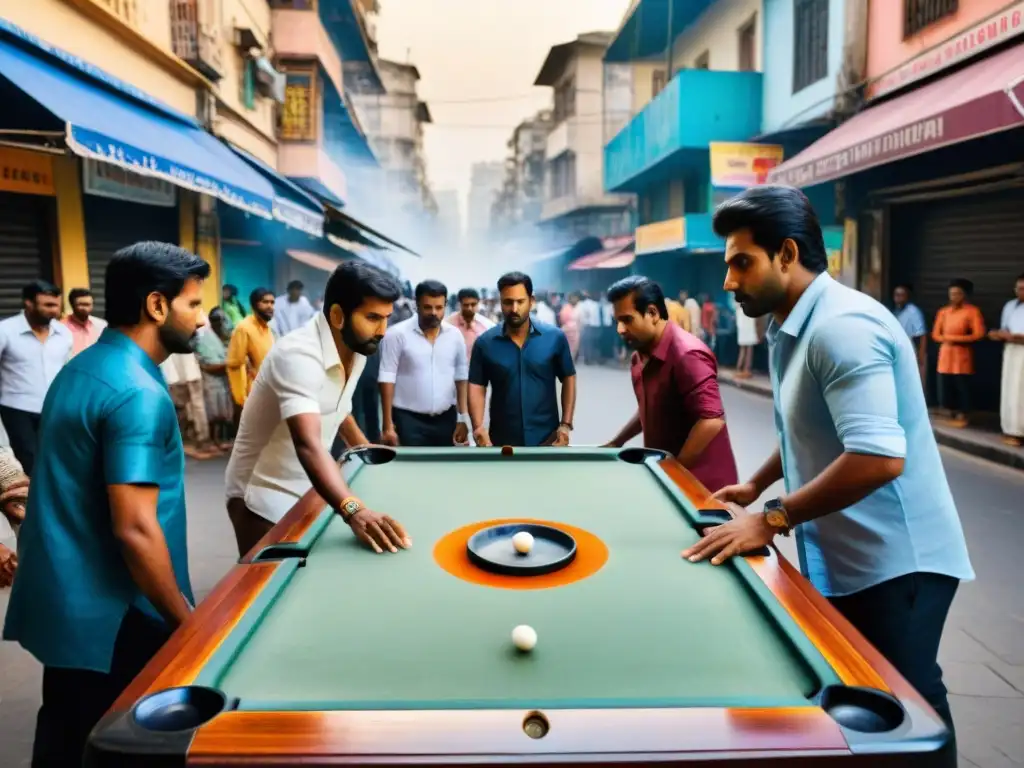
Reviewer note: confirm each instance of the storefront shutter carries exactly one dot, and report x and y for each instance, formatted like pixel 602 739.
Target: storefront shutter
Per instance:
pixel 25 246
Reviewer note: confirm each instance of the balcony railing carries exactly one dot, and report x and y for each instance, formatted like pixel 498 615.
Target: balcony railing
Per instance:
pixel 195 35
pixel 126 10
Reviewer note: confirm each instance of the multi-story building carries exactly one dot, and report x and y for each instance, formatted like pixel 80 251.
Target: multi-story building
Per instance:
pixel 520 201
pixel 394 122
pixel 108 124
pixel 170 120
pixel 485 183
pixel 928 171
pixel 576 203
pixel 694 72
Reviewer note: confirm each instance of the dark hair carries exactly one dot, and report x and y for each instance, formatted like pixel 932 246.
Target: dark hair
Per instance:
pixel 78 293
pixel 774 214
pixel 1019 277
pixel 217 314
pixel 645 292
pixel 144 268
pixel 963 284
pixel 37 287
pixel 431 288
pixel 353 282
pixel 469 293
pixel 510 279
pixel 908 287
pixel 257 294
pixel 232 289
pixel 295 285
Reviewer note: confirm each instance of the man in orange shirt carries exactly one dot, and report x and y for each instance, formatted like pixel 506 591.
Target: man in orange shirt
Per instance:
pixel 250 343
pixel 958 326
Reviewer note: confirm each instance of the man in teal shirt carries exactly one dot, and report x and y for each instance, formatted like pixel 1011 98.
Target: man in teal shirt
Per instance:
pixel 103 560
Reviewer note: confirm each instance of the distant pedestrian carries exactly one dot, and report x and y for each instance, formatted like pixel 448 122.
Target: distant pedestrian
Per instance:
pixel 911 319
pixel 468 319
pixel 233 308
pixel 521 360
pixel 958 326
pixel 1011 334
pixel 34 346
pixel 250 343
pixel 292 310
pixel 85 328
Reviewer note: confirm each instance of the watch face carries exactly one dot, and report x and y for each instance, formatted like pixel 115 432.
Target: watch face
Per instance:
pixel 352 507
pixel 775 518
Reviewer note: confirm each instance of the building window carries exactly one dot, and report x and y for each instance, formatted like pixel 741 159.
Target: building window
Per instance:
pixel 298 115
pixel 918 14
pixel 703 61
pixel 747 35
pixel 810 42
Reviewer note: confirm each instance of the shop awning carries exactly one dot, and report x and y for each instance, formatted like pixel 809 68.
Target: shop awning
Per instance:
pixel 293 205
pixel 108 120
pixel 612 247
pixel 315 260
pixel 983 98
pixel 346 227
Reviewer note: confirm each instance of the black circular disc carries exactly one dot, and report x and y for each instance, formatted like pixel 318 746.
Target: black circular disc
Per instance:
pixel 492 549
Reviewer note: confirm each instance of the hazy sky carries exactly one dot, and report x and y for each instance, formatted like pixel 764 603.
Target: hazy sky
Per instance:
pixel 485 54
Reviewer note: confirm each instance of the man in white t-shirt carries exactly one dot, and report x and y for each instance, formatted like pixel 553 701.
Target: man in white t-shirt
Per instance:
pixel 302 399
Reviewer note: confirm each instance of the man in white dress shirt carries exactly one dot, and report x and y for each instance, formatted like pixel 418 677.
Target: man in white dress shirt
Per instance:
pixel 423 371
pixel 300 401
pixel 292 310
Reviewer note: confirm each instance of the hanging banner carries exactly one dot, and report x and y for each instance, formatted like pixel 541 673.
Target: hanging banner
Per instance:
pixel 661 236
pixel 737 165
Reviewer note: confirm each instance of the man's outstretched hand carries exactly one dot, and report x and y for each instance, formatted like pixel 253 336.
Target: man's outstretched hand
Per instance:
pixel 380 532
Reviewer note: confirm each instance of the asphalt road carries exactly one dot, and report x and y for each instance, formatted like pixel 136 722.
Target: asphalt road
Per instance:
pixel 983 650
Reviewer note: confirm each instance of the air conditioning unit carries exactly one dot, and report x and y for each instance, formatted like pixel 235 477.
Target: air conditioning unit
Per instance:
pixel 269 82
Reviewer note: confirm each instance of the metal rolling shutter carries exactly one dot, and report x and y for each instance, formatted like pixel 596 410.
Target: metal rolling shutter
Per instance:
pixel 25 250
pixel 113 224
pixel 977 237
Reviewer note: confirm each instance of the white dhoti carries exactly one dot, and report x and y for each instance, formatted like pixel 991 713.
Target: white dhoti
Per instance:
pixel 1011 410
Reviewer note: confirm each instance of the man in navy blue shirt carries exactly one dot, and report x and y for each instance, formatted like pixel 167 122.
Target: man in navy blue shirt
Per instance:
pixel 103 560
pixel 521 360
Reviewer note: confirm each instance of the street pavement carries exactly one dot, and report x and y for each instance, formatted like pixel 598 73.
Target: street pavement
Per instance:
pixel 982 652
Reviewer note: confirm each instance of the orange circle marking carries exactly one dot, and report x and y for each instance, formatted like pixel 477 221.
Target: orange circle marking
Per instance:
pixel 450 554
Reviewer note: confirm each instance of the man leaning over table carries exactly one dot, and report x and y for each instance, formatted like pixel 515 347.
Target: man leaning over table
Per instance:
pixel 877 529
pixel 300 402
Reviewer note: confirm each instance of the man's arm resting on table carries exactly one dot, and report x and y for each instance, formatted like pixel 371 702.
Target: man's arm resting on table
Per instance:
pixel 316 460
pixel 568 399
pixel 477 405
pixel 628 432
pixel 847 480
pixel 133 512
pixel 769 473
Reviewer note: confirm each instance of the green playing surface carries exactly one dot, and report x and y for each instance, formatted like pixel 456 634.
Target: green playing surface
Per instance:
pixel 355 630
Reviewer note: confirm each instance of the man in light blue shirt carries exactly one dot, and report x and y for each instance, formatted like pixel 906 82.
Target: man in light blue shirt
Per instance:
pixel 34 345
pixel 102 555
pixel 911 319
pixel 877 529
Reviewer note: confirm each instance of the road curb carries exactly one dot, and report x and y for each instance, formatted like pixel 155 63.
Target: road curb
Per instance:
pixel 951 438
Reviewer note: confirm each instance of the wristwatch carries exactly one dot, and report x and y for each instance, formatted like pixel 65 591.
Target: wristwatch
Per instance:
pixel 349 507
pixel 776 516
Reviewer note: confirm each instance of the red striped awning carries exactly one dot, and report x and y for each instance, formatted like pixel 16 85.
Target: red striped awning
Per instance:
pixel 613 247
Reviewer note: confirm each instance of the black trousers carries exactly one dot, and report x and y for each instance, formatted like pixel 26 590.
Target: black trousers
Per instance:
pixel 74 700
pixel 954 392
pixel 366 400
pixel 23 430
pixel 420 430
pixel 904 618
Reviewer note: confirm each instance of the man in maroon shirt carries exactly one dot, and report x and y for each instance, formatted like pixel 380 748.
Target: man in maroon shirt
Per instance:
pixel 675 378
